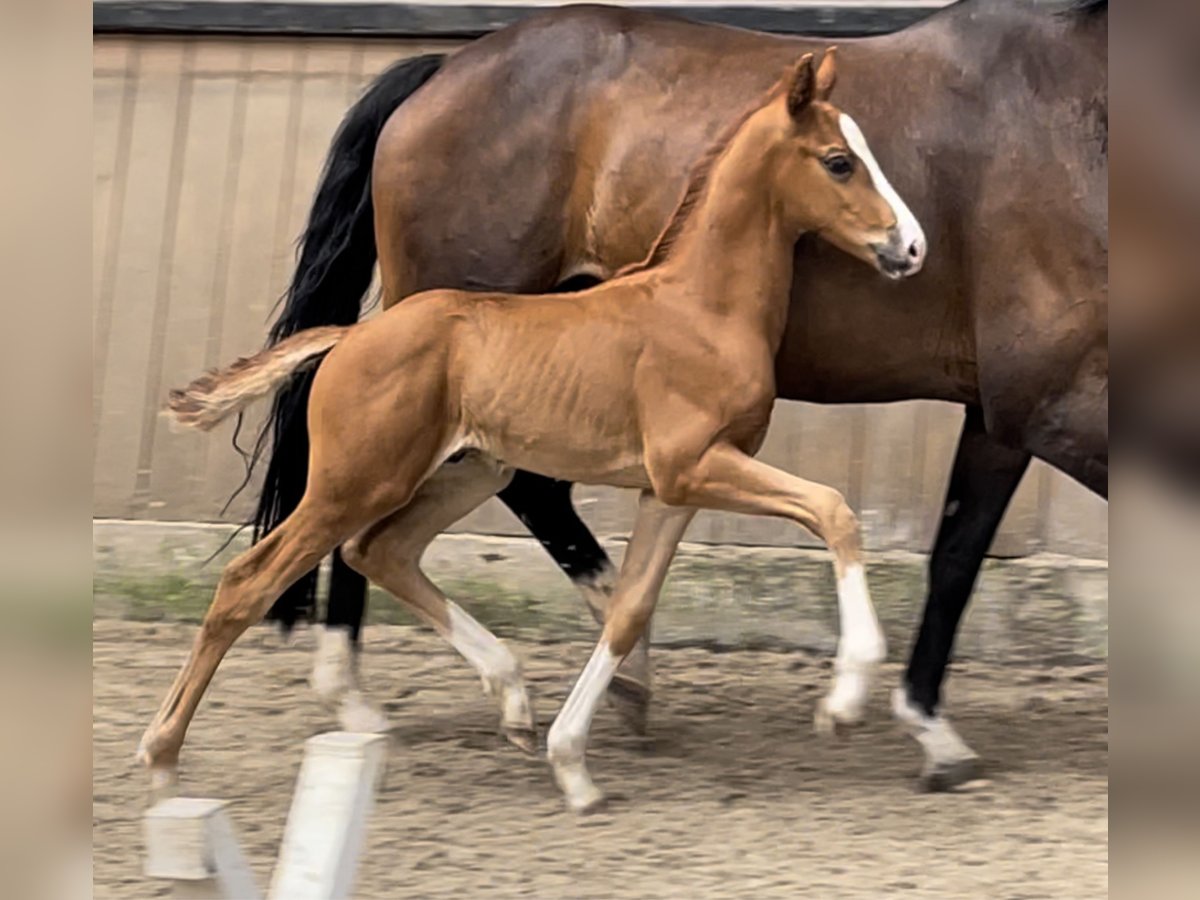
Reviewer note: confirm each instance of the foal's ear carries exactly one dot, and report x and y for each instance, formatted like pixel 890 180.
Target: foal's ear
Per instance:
pixel 827 74
pixel 801 86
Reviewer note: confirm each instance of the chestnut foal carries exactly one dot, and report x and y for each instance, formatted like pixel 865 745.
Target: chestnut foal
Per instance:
pixel 661 379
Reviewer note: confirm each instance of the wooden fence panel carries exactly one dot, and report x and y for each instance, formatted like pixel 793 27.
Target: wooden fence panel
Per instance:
pixel 206 154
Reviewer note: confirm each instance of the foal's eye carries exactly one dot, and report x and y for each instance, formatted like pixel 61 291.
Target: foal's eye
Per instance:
pixel 839 165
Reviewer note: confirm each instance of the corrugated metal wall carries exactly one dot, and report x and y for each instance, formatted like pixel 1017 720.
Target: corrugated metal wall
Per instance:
pixel 206 154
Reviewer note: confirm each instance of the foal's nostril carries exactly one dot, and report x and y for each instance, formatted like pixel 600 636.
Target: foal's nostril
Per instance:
pixel 914 249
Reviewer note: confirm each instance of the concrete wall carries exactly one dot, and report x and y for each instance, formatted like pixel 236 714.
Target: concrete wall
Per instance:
pixel 206 154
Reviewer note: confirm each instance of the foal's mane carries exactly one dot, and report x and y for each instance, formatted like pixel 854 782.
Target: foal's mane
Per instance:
pixel 697 182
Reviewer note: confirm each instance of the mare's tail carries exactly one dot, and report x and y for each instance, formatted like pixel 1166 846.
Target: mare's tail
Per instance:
pixel 215 396
pixel 333 274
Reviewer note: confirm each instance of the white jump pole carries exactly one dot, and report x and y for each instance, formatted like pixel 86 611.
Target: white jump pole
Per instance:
pixel 191 843
pixel 328 820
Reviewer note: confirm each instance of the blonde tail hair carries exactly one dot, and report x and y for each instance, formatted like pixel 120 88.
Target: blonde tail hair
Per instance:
pixel 217 395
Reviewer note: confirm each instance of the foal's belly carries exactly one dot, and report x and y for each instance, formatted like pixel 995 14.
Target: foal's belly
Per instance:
pixel 568 457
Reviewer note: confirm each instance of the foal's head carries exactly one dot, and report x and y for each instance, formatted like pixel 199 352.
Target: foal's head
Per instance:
pixel 827 181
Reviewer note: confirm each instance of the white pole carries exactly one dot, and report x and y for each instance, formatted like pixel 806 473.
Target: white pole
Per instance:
pixel 327 824
pixel 191 843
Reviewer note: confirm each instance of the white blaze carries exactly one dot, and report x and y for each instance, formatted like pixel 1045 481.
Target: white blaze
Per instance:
pixel 911 233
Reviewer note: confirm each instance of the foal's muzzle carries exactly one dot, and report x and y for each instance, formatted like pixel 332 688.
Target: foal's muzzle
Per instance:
pixel 901 255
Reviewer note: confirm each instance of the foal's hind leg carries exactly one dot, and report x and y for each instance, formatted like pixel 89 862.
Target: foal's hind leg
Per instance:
pixel 389 553
pixel 656 533
pixel 248 587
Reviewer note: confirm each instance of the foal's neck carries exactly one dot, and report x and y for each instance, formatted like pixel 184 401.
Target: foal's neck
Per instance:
pixel 735 252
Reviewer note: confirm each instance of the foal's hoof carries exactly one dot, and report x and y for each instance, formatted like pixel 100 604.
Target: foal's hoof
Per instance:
pixel 631 700
pixel 523 738
pixel 583 798
pixel 571 774
pixel 939 777
pixel 830 720
pixel 595 802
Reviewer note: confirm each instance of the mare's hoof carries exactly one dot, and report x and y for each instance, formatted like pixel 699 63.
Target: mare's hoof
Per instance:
pixel 939 777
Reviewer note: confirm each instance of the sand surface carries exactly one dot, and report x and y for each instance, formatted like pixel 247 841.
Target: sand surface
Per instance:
pixel 730 795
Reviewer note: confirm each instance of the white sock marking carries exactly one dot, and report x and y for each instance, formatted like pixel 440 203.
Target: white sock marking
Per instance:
pixel 911 232
pixel 334 680
pixel 567 741
pixel 942 744
pixel 861 646
pixel 479 646
pixel 333 671
pixel 493 661
pixel 861 638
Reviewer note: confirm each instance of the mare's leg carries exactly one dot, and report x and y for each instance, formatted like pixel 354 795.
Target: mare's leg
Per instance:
pixel 335 662
pixel 544 506
pixel 726 478
pixel 389 553
pixel 982 482
pixel 656 533
pixel 248 587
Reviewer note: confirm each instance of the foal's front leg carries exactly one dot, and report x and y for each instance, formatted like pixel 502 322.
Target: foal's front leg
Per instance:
pixel 656 534
pixel 544 507
pixel 726 478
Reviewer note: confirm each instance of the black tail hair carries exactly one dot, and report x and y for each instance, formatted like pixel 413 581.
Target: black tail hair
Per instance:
pixel 333 273
pixel 1088 9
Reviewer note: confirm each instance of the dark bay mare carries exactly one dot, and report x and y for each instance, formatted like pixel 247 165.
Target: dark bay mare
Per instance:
pixel 549 155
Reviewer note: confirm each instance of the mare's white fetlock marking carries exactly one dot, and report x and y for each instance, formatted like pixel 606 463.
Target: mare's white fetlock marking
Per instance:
pixel 356 714
pixel 336 682
pixel 861 647
pixel 333 663
pixel 566 745
pixel 949 762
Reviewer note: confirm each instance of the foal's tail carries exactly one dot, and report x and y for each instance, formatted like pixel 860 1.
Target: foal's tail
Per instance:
pixel 215 396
